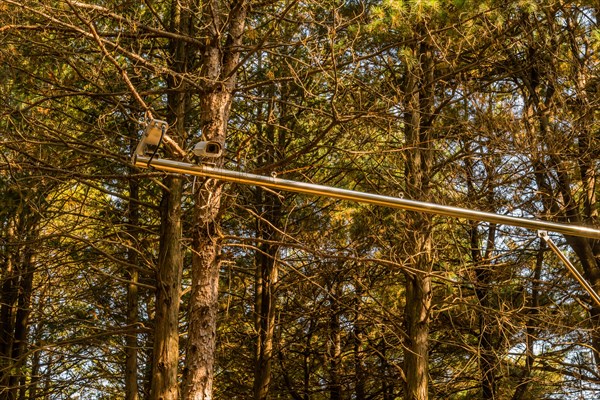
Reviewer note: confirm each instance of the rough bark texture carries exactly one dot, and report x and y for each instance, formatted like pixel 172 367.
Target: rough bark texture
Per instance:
pixel 266 278
pixel 534 308
pixel 15 298
pixel 419 159
pixel 268 216
pixel 416 357
pixel 7 314
pixel 488 359
pixel 334 347
pixel 358 352
pixel 131 367
pixel 165 357
pixel 168 289
pixel 218 68
pixel 199 363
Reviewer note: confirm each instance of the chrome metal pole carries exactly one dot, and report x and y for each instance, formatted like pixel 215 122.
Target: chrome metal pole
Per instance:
pixel 395 202
pixel 369 198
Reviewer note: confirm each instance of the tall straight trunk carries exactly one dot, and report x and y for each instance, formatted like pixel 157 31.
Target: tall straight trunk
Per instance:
pixel 148 354
pixel 34 378
pixel 418 88
pixel 266 278
pixel 359 355
pixel 218 69
pixel 487 332
pixel 268 210
pixel 15 301
pixel 531 331
pixel 334 347
pixel 131 340
pixel 203 307
pixel 198 372
pixel 484 276
pixel 8 299
pixel 416 315
pixel 22 322
pixel 36 363
pixel 165 356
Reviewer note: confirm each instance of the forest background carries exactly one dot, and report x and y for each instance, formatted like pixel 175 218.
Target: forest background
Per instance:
pixel 126 283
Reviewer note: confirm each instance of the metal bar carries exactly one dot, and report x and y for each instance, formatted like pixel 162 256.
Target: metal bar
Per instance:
pixel 369 198
pixel 582 281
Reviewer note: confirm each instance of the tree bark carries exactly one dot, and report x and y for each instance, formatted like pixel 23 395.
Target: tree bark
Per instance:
pixel 357 339
pixel 8 298
pixel 419 161
pixel 268 208
pixel 416 356
pixel 334 346
pixel 219 72
pixel 165 358
pixel 531 330
pixel 168 286
pixel 22 322
pixel 487 332
pixel 266 278
pixel 131 340
pixel 15 298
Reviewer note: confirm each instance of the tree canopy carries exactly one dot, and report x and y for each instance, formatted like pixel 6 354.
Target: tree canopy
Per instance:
pixel 119 282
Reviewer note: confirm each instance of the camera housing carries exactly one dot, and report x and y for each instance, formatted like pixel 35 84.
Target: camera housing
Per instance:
pixel 208 149
pixel 154 130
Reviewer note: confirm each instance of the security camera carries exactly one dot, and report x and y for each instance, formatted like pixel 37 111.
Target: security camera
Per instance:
pixel 208 149
pixel 153 132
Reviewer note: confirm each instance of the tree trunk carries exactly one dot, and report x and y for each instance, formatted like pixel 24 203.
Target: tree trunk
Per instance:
pixel 200 357
pixel 416 356
pixel 168 289
pixel 35 371
pixel 418 168
pixel 22 321
pixel 334 346
pixel 531 330
pixel 359 357
pixel 487 332
pixel 219 71
pixel 165 357
pixel 131 341
pixel 268 208
pixel 266 278
pixel 15 299
pixel 8 298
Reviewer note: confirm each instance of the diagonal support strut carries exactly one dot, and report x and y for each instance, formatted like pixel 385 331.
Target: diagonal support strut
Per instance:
pixel 574 272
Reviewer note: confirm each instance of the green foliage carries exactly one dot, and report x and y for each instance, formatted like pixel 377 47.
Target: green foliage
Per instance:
pixel 507 94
